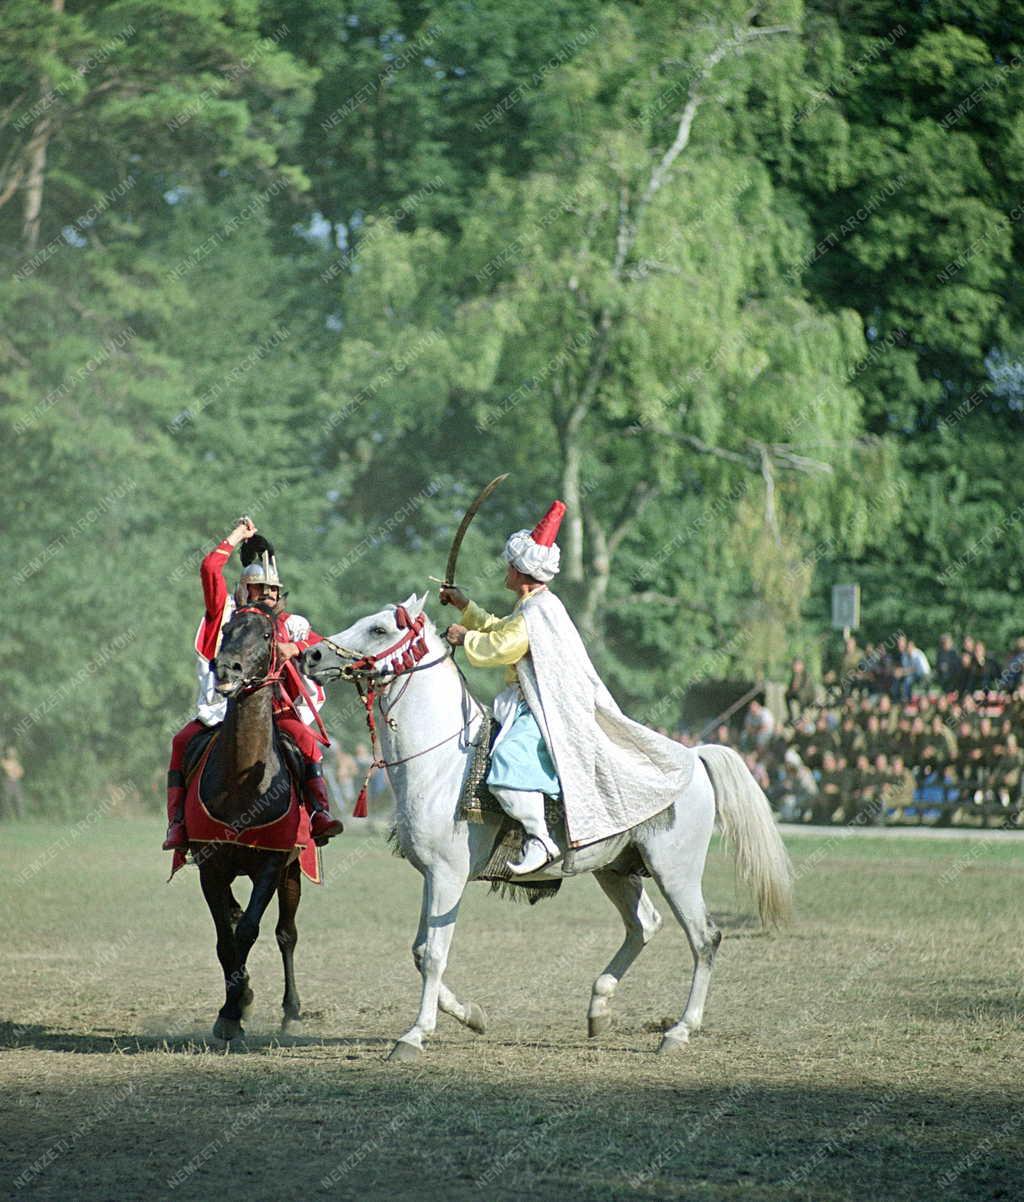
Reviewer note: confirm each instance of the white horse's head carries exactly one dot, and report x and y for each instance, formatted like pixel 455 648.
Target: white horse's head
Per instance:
pixel 370 636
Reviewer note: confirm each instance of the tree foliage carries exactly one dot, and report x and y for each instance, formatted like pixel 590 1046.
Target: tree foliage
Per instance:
pixel 735 284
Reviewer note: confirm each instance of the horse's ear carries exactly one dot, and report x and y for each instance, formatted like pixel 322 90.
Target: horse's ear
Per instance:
pixel 414 605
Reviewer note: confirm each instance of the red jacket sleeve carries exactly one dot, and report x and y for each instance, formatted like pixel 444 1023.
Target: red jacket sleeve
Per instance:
pixel 211 573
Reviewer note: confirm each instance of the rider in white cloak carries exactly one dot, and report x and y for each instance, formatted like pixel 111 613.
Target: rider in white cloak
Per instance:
pixel 562 733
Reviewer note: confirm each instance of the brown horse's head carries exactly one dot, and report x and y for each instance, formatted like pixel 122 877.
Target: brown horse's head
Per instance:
pixel 246 653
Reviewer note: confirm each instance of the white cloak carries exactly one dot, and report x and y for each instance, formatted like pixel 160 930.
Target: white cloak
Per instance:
pixel 614 772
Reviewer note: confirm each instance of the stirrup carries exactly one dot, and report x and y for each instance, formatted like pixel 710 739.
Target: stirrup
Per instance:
pixel 537 854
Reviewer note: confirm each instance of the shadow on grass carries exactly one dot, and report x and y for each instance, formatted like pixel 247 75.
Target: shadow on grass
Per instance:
pixel 47 1039
pixel 402 1132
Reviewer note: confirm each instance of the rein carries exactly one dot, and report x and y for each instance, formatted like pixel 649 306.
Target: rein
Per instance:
pixel 413 646
pixel 276 675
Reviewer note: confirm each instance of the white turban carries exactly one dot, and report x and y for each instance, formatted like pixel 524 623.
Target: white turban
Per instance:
pixel 530 557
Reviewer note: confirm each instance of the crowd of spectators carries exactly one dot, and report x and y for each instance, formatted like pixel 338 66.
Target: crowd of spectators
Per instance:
pixel 887 736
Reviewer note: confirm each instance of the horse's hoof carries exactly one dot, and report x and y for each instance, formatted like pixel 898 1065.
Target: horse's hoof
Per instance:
pixel 404 1051
pixel 227 1029
pixel 671 1043
pixel 476 1020
pixel 598 1024
pixel 288 1019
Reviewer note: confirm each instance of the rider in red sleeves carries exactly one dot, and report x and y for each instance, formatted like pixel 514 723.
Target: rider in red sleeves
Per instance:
pixel 259 582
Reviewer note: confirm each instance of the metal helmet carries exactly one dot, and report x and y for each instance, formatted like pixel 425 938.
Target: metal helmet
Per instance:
pixel 262 570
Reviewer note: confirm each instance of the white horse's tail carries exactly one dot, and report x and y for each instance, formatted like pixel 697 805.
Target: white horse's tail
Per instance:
pixel 749 828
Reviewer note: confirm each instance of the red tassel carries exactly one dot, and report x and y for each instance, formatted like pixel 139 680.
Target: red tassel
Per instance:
pixel 360 810
pixel 402 617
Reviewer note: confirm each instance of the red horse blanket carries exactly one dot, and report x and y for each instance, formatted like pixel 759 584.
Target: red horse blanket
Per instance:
pixel 284 833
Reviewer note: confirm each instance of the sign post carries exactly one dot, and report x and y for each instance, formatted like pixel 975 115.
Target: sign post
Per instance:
pixel 845 608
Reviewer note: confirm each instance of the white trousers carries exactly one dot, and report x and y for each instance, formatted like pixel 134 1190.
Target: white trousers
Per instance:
pixel 527 809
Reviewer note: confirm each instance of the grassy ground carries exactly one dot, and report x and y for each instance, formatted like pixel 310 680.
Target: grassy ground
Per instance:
pixel 871 1051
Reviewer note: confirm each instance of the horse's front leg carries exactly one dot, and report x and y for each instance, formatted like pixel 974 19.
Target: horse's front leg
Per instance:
pixel 443 886
pixel 468 1013
pixel 216 887
pixel 247 929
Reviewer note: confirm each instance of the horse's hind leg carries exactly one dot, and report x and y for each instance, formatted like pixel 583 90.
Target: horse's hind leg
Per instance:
pixel 289 891
pixel 642 923
pixel 680 881
pixel 704 937
pixel 675 857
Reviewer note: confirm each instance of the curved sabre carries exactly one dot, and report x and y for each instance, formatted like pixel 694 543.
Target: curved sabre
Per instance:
pixel 460 534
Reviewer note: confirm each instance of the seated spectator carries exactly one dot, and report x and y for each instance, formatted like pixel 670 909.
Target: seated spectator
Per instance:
pixel 846 673
pixel 900 785
pixel 888 714
pixel 918 670
pixel 799 691
pixel 900 686
pixel 986 669
pixel 966 677
pixel 1006 771
pixel 880 673
pixel 851 738
pixel 875 739
pixel 832 785
pixel 947 664
pixel 987 736
pixel 798 789
pixel 758 727
pixel 803 735
pixel 758 771
pixel 902 739
pixel 1014 670
pixel 917 735
pixel 823 739
pixel 945 740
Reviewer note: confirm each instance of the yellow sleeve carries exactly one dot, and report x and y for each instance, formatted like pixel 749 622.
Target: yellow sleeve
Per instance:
pixel 493 642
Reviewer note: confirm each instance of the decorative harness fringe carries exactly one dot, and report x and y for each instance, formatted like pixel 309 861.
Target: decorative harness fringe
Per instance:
pixel 408 651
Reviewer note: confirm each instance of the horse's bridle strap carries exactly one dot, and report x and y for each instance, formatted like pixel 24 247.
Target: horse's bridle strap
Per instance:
pixel 412 645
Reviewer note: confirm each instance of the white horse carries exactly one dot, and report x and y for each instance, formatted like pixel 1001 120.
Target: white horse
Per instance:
pixel 432 722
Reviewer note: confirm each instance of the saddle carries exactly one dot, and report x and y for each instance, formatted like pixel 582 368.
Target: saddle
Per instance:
pixel 286 746
pixel 478 803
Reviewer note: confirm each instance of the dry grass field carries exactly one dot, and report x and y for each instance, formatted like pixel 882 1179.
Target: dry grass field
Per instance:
pixel 871 1051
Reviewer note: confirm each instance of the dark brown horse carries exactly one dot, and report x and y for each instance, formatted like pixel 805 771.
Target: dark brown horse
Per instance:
pixel 245 782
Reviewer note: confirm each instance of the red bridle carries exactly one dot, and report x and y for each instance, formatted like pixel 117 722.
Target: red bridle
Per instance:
pixel 407 653
pixel 278 670
pixel 412 646
pixel 273 675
